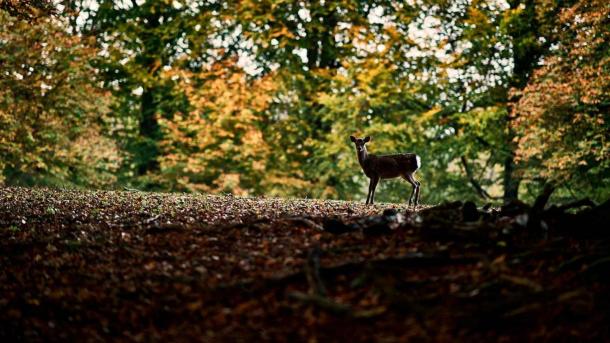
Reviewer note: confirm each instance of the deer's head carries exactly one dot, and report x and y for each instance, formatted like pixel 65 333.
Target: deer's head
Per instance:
pixel 360 142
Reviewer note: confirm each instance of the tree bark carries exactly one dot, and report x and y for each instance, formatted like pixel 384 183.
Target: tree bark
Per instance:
pixel 321 51
pixel 511 182
pixel 525 59
pixel 149 133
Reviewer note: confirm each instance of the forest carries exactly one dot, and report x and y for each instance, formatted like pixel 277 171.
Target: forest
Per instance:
pixel 499 98
pixel 195 170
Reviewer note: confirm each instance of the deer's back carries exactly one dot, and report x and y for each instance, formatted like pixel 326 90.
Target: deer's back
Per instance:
pixel 391 166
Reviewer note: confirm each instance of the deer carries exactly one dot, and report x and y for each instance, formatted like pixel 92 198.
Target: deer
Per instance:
pixel 387 167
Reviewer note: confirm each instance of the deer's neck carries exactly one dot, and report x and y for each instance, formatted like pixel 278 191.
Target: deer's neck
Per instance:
pixel 362 156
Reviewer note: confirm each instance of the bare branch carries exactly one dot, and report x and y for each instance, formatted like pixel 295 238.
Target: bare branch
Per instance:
pixel 473 182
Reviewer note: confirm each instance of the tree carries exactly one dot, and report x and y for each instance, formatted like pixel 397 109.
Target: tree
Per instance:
pixel 28 9
pixel 140 40
pixel 562 130
pixel 487 52
pixel 218 146
pixel 309 45
pixel 440 78
pixel 53 114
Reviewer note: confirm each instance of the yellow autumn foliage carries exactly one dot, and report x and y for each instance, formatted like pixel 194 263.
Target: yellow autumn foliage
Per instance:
pixel 218 146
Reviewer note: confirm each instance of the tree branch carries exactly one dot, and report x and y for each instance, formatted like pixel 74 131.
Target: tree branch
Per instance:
pixel 473 182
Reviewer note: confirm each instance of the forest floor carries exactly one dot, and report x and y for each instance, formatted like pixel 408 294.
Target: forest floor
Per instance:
pixel 133 266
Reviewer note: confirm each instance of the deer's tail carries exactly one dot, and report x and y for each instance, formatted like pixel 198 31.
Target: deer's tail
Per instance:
pixel 417 162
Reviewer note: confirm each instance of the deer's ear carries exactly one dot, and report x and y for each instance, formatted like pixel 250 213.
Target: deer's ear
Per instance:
pixel 352 138
pixel 367 139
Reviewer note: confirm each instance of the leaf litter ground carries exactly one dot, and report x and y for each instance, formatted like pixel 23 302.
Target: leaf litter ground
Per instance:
pixel 133 266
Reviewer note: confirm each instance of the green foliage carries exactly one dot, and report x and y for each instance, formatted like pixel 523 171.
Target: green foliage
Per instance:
pixel 53 115
pixel 140 40
pixel 260 97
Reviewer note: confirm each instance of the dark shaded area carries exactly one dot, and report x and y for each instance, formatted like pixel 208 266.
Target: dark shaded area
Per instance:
pixel 146 266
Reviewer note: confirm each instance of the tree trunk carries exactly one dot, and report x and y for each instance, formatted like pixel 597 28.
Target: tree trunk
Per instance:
pixel 321 50
pixel 149 134
pixel 525 59
pixel 511 182
pixel 328 50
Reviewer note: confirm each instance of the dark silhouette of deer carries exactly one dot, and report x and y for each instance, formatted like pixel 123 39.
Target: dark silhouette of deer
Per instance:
pixel 387 167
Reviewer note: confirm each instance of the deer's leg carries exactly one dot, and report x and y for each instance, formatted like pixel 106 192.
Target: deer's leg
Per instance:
pixel 417 193
pixel 414 191
pixel 374 181
pixel 368 196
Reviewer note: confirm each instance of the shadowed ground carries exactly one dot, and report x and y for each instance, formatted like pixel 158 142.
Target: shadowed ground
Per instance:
pixel 147 266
